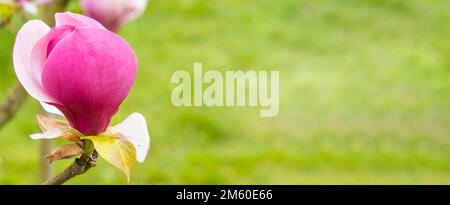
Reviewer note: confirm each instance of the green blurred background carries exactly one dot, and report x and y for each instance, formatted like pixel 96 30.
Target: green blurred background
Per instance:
pixel 364 95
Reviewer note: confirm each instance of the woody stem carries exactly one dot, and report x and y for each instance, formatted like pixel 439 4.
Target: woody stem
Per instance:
pixel 78 166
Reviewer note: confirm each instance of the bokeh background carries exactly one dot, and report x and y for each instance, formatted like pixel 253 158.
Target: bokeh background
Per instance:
pixel 364 95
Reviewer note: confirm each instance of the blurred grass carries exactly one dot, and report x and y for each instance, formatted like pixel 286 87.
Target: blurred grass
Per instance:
pixel 364 95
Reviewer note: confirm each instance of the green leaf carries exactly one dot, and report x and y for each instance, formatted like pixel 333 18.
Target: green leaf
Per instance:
pixel 116 150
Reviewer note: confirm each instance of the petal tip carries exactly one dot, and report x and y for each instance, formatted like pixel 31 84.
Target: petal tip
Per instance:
pixel 51 109
pixel 77 20
pixel 134 128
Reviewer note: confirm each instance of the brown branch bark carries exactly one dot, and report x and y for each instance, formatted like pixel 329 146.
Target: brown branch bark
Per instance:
pixel 79 166
pixel 3 23
pixel 12 103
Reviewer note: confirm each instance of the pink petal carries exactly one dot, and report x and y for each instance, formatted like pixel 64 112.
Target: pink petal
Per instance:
pixel 109 13
pixel 30 33
pixel 89 72
pixel 77 20
pixel 134 128
pixel 44 46
pixel 112 14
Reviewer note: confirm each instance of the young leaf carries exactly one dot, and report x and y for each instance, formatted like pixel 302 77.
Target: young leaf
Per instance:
pixel 47 122
pixel 57 128
pixel 53 133
pixel 64 152
pixel 116 150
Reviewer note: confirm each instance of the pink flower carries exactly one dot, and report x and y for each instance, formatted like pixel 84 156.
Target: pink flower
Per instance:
pixel 82 69
pixel 113 13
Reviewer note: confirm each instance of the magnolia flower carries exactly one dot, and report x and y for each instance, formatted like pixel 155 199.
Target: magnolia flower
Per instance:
pixel 82 70
pixel 113 13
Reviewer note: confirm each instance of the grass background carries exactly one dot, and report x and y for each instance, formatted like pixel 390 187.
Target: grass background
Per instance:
pixel 364 94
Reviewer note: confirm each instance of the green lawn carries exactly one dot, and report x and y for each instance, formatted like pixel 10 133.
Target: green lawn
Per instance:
pixel 364 94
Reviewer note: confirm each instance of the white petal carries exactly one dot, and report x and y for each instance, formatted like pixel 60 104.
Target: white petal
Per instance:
pixel 135 8
pixel 134 128
pixel 51 109
pixel 50 134
pixel 30 33
pixel 30 8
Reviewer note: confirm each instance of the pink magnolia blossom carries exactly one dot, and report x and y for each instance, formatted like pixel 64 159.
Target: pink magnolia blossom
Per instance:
pixel 113 13
pixel 83 70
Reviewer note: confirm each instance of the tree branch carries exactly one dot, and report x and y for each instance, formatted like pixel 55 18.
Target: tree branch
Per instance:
pixel 79 166
pixel 12 103
pixel 3 23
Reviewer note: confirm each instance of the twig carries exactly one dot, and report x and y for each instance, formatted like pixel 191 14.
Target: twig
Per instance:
pixel 79 166
pixel 12 103
pixel 3 23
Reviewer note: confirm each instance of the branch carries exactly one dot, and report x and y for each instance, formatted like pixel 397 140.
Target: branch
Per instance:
pixel 12 103
pixel 3 23
pixel 79 166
